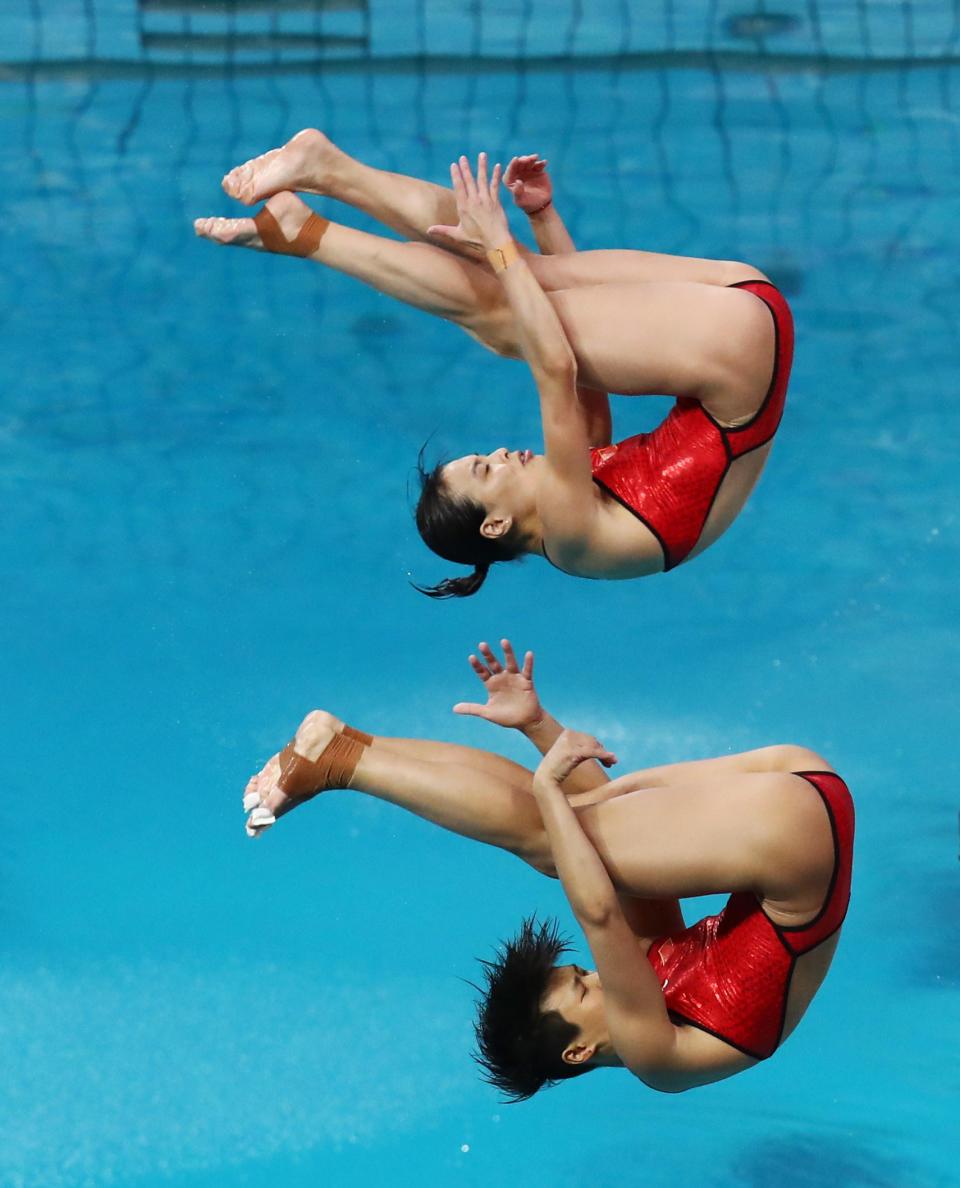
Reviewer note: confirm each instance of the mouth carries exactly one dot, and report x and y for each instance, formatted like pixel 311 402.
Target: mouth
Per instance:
pixel 525 456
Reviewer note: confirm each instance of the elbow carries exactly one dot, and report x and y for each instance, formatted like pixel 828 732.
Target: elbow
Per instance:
pixel 596 912
pixel 558 365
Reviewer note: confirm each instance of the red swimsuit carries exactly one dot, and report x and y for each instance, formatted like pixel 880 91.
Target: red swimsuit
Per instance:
pixel 730 974
pixel 669 478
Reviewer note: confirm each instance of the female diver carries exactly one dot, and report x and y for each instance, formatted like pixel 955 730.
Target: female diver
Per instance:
pixel 677 1006
pixel 715 335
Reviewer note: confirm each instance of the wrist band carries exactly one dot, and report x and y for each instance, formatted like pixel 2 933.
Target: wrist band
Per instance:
pixel 502 257
pixel 540 209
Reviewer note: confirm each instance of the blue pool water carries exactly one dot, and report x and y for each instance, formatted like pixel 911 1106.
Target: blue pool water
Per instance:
pixel 206 474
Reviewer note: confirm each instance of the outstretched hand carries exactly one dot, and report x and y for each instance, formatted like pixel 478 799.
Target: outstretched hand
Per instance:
pixel 570 750
pixel 511 697
pixel 528 181
pixel 483 223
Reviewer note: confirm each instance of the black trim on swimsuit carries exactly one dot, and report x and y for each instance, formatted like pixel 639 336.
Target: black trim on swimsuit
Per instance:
pixel 613 495
pixel 831 816
pixel 643 520
pixel 724 430
pixel 729 1042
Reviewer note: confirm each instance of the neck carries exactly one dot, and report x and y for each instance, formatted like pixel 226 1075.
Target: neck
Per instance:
pixel 605 1056
pixel 530 535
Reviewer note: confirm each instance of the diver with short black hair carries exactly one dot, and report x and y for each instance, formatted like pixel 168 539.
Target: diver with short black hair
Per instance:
pixel 677 1006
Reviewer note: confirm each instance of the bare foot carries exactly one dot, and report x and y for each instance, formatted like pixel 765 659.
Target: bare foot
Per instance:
pixel 263 800
pixel 304 163
pixel 287 209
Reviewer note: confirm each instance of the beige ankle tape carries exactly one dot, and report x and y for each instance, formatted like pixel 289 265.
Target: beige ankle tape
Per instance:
pixel 333 767
pixel 502 257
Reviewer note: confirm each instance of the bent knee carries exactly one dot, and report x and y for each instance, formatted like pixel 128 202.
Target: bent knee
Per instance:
pixel 538 856
pixel 495 330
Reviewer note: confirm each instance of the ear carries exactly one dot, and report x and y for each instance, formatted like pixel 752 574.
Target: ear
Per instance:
pixel 495 527
pixel 578 1053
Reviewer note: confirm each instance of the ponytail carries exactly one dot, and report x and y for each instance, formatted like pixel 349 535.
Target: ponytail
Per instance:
pixel 458 587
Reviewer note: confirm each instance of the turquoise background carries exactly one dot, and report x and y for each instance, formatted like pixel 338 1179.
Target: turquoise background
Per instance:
pixel 206 473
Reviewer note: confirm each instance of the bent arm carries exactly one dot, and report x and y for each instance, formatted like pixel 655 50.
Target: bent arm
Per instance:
pixel 568 491
pixel 527 179
pixel 567 504
pixel 640 1028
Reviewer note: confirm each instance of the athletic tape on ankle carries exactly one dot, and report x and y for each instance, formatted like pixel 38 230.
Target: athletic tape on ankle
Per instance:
pixel 333 768
pixel 306 242
pixel 502 257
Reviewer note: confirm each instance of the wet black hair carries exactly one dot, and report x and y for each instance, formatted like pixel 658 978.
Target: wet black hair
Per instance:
pixel 519 1046
pixel 450 526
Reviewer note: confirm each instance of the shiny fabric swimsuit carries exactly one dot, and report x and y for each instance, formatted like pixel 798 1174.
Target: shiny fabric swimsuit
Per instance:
pixel 669 478
pixel 730 974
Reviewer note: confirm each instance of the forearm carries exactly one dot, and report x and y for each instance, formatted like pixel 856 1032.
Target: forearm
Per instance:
pixel 542 338
pixel 543 733
pixel 550 232
pixel 586 883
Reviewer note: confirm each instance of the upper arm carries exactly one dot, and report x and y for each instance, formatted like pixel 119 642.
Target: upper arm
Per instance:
pixel 596 408
pixel 651 918
pixel 666 1056
pixel 568 502
pixel 640 1028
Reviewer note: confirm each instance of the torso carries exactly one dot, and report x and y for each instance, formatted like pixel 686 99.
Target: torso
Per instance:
pixel 744 980
pixel 663 497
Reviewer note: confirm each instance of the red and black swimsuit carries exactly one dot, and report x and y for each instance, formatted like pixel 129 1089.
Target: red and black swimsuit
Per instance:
pixel 669 478
pixel 730 974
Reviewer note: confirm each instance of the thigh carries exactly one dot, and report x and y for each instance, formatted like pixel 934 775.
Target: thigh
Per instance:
pixel 671 338
pixel 733 492
pixel 780 757
pixel 765 832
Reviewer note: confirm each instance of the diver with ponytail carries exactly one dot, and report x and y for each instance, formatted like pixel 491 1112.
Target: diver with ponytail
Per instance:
pixel 716 335
pixel 453 528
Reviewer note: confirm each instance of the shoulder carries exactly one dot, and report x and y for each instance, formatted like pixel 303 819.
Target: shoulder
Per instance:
pixel 697 1058
pixel 595 536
